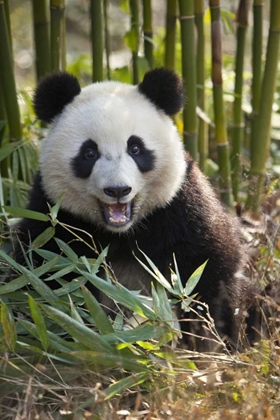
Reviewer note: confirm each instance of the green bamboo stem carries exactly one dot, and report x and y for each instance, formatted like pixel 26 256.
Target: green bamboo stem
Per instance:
pixel 200 74
pixel 4 166
pixel 57 39
pixel 107 39
pixel 186 9
pixel 8 20
pixel 257 43
pixel 134 22
pixel 148 33
pixel 41 27
pixel 170 37
pixel 263 123
pixel 219 109
pixel 97 40
pixel 237 130
pixel 8 80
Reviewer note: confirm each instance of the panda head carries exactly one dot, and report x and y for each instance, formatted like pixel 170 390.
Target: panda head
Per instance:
pixel 112 151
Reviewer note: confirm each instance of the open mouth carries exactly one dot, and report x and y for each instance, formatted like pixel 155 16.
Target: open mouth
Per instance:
pixel 117 214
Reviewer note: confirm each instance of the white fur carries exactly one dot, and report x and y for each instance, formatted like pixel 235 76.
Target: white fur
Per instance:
pixel 109 113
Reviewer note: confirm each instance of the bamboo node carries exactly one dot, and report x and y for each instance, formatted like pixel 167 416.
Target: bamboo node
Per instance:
pixel 185 17
pixel 223 144
pixel 189 133
pixel 238 125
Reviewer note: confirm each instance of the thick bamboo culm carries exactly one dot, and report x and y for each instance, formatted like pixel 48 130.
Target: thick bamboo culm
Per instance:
pixel 134 22
pixel 200 72
pixel 57 34
pixel 186 17
pixel 8 20
pixel 219 109
pixel 263 123
pixel 148 32
pixel 107 39
pixel 237 129
pixel 41 24
pixel 257 50
pixel 170 34
pixel 8 79
pixel 96 15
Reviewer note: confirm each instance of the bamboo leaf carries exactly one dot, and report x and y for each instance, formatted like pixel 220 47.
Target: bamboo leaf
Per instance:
pixel 67 250
pixel 123 384
pixel 28 214
pixel 155 273
pixel 144 332
pixel 121 295
pixel 39 322
pixel 22 281
pixel 9 326
pixel 43 238
pixel 80 332
pixel 162 304
pixel 40 286
pixel 6 150
pixel 97 313
pixel 194 279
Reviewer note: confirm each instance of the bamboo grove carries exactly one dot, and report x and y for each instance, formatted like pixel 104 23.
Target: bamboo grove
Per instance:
pixel 184 21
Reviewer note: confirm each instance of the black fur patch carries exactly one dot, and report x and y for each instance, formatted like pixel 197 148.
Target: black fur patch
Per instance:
pixel 144 158
pixel 53 93
pixel 83 163
pixel 164 88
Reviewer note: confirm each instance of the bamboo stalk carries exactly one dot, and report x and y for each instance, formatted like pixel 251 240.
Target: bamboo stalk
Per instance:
pixel 97 39
pixel 263 123
pixel 257 43
pixel 107 39
pixel 8 20
pixel 170 37
pixel 41 27
pixel 200 74
pixel 186 9
pixel 134 22
pixel 2 115
pixel 57 28
pixel 219 109
pixel 237 129
pixel 148 33
pixel 8 80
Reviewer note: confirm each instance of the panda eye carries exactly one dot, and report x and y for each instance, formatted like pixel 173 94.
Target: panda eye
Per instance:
pixel 90 154
pixel 134 149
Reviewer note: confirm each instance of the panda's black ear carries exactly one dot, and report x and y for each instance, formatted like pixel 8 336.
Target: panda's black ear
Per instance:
pixel 53 93
pixel 164 88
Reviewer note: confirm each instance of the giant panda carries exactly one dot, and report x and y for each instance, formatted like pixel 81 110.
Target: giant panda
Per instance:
pixel 115 158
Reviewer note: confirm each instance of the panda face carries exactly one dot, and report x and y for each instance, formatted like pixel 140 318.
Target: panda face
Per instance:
pixel 112 156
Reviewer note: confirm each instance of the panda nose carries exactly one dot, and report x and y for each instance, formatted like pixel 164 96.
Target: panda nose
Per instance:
pixel 117 192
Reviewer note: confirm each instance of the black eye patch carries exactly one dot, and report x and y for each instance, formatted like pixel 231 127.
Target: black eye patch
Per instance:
pixel 143 157
pixel 83 163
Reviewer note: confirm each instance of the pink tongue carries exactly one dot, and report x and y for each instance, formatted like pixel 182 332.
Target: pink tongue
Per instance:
pixel 117 212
